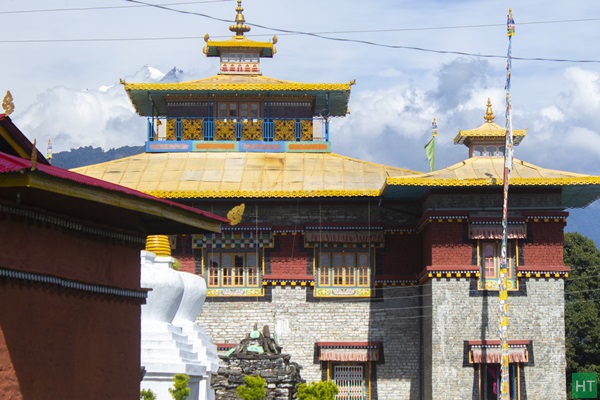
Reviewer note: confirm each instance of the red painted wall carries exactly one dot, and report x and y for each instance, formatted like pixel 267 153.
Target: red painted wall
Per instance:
pixel 400 256
pixel 58 343
pixel 53 251
pixel 289 258
pixel 444 244
pixel 184 253
pixel 545 247
pixel 62 344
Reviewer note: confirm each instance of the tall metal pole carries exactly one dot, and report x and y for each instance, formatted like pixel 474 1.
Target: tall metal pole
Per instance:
pixel 502 280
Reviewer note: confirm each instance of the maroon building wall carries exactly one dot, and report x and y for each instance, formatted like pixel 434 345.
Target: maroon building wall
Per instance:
pixel 445 244
pixel 544 248
pixel 62 343
pixel 400 256
pixel 290 258
pixel 35 247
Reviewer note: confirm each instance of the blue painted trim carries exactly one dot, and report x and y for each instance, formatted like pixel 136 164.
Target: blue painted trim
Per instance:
pixel 244 146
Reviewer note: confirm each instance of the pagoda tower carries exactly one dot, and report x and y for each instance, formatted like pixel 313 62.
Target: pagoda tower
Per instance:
pixel 239 109
pixel 488 139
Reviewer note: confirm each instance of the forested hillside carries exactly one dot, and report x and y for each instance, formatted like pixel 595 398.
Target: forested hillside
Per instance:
pixel 92 155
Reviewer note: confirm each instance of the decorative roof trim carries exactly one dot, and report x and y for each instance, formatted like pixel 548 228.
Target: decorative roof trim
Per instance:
pixel 348 345
pixel 478 182
pixel 71 284
pixel 258 194
pixel 344 227
pixel 199 86
pixel 239 42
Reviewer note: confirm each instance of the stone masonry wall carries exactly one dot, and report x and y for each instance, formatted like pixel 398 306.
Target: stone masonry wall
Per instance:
pixel 300 324
pixel 461 313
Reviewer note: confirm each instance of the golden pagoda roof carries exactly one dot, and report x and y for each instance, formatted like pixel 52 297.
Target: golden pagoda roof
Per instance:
pixel 578 189
pixel 489 131
pixel 339 93
pixel 214 47
pixel 237 83
pixel 246 175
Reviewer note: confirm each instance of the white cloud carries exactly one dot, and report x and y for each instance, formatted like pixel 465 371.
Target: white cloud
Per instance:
pixel 73 118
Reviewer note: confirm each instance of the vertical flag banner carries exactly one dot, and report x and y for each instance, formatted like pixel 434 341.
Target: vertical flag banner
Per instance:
pixel 430 146
pixel 502 279
pixel 49 151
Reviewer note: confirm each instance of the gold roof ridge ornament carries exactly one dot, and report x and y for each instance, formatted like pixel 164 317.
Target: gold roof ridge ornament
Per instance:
pixel 239 28
pixel 489 114
pixel 7 103
pixel 214 48
pixel 235 214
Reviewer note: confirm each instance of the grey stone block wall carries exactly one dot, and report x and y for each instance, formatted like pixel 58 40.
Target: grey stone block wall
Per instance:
pixel 423 330
pixel 394 320
pixel 460 313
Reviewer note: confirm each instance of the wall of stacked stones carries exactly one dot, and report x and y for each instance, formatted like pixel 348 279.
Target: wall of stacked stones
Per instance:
pixel 459 312
pixel 394 320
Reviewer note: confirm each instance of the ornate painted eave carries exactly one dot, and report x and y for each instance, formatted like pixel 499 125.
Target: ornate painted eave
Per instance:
pixel 578 190
pixel 334 96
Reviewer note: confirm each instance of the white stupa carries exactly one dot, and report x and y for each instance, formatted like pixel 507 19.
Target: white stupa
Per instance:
pixel 172 342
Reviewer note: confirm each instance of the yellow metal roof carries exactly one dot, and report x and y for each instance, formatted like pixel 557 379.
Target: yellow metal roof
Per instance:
pixel 246 175
pixel 213 47
pixel 487 171
pixel 236 83
pixel 577 190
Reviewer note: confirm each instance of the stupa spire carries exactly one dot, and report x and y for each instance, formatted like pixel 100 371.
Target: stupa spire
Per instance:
pixel 239 27
pixel 489 114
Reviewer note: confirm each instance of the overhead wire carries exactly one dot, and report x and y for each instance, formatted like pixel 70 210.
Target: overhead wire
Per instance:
pixel 320 35
pixel 367 42
pixel 44 10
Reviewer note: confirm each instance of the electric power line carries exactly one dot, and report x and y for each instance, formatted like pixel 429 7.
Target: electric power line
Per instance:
pixel 106 7
pixel 370 43
pixel 320 35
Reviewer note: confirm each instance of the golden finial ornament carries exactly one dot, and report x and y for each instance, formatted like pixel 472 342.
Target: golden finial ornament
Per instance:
pixel 489 114
pixel 206 37
pixel 159 245
pixel 239 27
pixel 235 214
pixel 7 103
pixel 274 41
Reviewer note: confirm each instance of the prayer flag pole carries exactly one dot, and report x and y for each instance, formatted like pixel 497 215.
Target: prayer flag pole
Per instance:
pixel 502 280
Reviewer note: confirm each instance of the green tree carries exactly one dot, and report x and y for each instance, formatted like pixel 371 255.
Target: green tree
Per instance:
pixel 147 394
pixel 582 311
pixel 181 389
pixel 253 388
pixel 324 390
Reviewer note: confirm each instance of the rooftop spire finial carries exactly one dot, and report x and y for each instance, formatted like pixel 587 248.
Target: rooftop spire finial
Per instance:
pixel 489 114
pixel 239 27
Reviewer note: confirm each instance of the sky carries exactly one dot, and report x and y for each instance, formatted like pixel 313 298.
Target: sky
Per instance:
pixel 412 61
